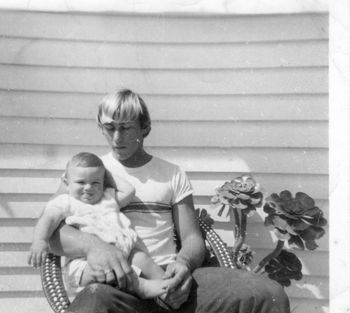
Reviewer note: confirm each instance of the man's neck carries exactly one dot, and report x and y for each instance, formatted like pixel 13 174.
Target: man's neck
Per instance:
pixel 140 158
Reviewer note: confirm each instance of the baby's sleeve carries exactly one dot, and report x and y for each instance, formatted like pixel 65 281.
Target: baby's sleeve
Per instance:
pixel 60 203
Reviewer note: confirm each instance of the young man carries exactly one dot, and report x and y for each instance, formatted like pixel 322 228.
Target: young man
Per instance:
pixel 163 202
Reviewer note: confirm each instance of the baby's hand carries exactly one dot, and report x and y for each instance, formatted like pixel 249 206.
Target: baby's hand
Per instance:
pixel 38 252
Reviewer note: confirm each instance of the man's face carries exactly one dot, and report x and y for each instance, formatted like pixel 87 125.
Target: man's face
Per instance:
pixel 86 183
pixel 125 138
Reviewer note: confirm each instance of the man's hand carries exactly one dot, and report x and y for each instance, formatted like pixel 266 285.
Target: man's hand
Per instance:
pixel 180 286
pixel 109 261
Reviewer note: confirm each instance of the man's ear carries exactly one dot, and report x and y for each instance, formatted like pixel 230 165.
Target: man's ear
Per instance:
pixel 145 131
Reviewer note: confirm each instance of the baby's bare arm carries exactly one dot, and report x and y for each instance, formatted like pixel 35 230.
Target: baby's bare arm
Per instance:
pixel 46 225
pixel 124 191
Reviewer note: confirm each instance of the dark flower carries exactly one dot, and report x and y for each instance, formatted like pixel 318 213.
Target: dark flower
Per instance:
pixel 242 193
pixel 245 256
pixel 297 219
pixel 284 267
pixel 204 216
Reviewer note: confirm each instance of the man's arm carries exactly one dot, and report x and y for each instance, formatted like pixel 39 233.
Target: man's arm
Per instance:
pixel 101 256
pixel 192 244
pixel 190 256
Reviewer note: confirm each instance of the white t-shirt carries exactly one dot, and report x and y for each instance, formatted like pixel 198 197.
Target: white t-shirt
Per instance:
pixel 159 185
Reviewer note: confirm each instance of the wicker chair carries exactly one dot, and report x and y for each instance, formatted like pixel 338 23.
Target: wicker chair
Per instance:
pixel 52 281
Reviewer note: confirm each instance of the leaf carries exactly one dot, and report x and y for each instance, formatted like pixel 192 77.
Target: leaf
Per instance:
pixel 311 244
pixel 221 210
pixel 298 225
pixel 269 208
pixel 305 200
pixel 312 233
pixel 296 243
pixel 286 195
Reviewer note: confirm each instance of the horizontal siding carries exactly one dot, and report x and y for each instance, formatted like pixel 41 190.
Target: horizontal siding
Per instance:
pixel 167 107
pixel 201 159
pixel 223 81
pixel 25 304
pixel 312 134
pixel 203 183
pixel 179 29
pixel 170 56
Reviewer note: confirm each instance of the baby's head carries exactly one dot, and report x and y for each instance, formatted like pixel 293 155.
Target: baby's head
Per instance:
pixel 85 177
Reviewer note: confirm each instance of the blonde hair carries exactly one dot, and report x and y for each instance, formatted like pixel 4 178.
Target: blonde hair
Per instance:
pixel 124 106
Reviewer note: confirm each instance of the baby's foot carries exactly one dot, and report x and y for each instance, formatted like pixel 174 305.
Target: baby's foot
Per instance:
pixel 151 288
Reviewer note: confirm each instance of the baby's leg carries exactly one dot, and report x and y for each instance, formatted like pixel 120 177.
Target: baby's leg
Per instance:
pixel 142 260
pixel 151 283
pixel 88 276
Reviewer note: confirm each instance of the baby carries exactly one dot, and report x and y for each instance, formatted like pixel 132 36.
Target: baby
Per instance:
pixel 95 209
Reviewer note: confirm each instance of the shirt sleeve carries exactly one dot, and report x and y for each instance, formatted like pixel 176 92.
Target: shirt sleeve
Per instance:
pixel 181 185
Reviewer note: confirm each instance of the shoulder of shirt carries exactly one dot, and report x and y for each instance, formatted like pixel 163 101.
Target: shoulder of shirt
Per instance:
pixel 164 166
pixel 105 157
pixel 161 162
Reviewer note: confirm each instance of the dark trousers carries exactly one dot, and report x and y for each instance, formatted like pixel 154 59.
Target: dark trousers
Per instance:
pixel 214 290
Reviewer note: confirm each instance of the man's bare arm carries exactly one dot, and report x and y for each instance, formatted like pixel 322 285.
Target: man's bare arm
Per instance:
pixel 192 244
pixel 190 256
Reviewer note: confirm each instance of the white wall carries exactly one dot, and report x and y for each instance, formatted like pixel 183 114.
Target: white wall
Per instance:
pixel 228 94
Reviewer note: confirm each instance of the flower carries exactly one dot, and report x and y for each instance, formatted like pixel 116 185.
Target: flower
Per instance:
pixel 204 216
pixel 242 193
pixel 245 256
pixel 297 219
pixel 284 267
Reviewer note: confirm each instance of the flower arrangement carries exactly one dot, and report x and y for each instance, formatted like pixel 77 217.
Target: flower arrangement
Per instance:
pixel 296 220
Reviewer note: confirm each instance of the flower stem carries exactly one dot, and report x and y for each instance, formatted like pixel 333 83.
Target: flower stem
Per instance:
pixel 237 226
pixel 269 257
pixel 241 234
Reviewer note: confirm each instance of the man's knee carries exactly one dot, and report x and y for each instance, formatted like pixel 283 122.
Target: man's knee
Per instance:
pixel 271 297
pixel 94 298
pixel 104 298
pixel 99 292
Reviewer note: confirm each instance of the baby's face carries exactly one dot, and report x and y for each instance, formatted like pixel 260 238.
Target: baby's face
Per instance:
pixel 86 183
